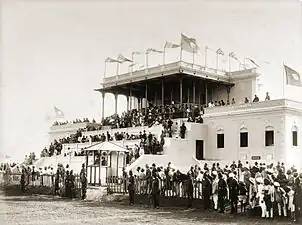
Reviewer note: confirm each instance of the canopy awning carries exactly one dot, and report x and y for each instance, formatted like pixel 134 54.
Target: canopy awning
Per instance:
pixel 106 146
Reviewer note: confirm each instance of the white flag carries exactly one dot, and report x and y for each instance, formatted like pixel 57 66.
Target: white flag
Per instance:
pixel 133 64
pixel 232 55
pixel 189 44
pixel 171 45
pixel 153 50
pixel 111 60
pixel 252 61
pixel 59 113
pixel 122 58
pixel 142 66
pixel 138 53
pixel 219 51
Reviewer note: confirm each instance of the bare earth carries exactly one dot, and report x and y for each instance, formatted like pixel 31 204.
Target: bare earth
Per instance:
pixel 47 210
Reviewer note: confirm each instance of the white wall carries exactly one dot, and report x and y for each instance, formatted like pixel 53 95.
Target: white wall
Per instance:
pixel 293 154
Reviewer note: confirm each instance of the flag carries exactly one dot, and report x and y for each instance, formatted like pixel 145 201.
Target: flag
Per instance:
pixel 142 66
pixel 252 61
pixel 189 44
pixel 232 55
pixel 138 53
pixel 153 50
pixel 111 60
pixel 122 58
pixel 133 64
pixel 171 45
pixel 293 78
pixel 59 113
pixel 219 51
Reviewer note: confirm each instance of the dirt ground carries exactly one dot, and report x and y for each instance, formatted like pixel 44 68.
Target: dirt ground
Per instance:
pixel 48 210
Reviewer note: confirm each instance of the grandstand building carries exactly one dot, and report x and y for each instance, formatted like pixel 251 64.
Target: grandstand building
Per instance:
pixel 266 131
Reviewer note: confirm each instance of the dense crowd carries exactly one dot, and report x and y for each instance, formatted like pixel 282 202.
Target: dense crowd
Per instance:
pixel 154 115
pixel 84 120
pixel 266 190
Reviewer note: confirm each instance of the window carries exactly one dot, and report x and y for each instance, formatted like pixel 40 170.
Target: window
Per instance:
pixel 269 138
pixel 244 139
pixel 295 138
pixel 220 140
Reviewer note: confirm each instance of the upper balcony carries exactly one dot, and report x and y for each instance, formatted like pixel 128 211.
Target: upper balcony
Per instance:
pixel 254 107
pixel 166 70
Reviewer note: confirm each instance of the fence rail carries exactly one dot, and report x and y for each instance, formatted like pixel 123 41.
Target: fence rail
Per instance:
pixel 44 180
pixel 144 186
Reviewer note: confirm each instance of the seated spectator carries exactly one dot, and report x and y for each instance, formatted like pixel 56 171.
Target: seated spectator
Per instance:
pixel 256 99
pixel 246 100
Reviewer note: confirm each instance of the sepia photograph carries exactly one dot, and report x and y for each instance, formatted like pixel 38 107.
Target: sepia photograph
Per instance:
pixel 155 112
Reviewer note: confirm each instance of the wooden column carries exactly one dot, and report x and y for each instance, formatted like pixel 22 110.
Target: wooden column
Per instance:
pixel 146 96
pixel 194 100
pixel 100 164
pixel 103 104
pixel 127 103
pixel 188 96
pixel 130 102
pixel 171 93
pixel 180 91
pixel 94 167
pixel 117 159
pixel 206 93
pixel 115 107
pixel 162 92
pixel 155 98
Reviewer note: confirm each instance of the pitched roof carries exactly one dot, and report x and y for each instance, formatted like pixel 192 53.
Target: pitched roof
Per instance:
pixel 106 146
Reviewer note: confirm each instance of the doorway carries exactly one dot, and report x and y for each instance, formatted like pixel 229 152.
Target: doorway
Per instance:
pixel 199 150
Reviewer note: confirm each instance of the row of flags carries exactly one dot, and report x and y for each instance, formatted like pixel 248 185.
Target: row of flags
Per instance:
pixel 187 44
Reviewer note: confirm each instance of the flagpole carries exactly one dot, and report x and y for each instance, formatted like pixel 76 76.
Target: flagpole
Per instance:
pixel 146 59
pixel 117 68
pixel 205 56
pixel 229 63
pixel 105 69
pixel 193 58
pixel 283 83
pixel 132 58
pixel 164 55
pixel 217 61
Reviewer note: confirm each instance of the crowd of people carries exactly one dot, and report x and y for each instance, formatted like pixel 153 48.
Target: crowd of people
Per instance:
pixel 155 115
pixel 63 180
pixel 233 102
pixel 84 120
pixel 266 190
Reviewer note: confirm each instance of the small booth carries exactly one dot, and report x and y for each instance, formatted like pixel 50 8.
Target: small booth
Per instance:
pixel 103 160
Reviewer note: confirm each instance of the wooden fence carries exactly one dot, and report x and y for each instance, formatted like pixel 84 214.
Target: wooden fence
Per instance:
pixel 143 187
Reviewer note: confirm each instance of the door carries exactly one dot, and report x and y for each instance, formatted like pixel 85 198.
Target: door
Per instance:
pixel 199 150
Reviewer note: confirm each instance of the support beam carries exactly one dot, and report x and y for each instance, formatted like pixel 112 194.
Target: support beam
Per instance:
pixel 194 93
pixel 171 93
pixel 188 96
pixel 155 98
pixel 127 103
pixel 206 93
pixel 180 91
pixel 115 102
pixel 103 105
pixel 162 92
pixel 131 98
pixel 146 96
pixel 117 161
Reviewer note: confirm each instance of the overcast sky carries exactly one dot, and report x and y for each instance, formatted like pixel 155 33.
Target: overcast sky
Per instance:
pixel 53 52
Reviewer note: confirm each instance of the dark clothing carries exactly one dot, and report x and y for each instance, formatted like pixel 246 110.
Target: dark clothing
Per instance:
pixel 233 192
pixel 206 192
pixel 155 192
pixel 222 194
pixel 131 189
pixel 190 190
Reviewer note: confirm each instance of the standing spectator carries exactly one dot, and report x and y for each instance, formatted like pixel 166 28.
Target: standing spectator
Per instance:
pixel 131 188
pixel 183 129
pixel 155 191
pixel 267 97
pixel 222 193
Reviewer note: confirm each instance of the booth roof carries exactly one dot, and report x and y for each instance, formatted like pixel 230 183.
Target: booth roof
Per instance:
pixel 106 146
